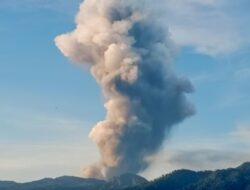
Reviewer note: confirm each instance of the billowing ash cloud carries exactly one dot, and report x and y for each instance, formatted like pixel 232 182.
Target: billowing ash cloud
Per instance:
pixel 130 56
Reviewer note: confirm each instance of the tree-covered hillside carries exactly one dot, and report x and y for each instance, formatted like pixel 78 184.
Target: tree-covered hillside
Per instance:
pixel 228 179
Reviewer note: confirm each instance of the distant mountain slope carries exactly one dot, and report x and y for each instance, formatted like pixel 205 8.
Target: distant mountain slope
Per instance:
pixel 76 183
pixel 176 180
pixel 124 181
pixel 228 179
pixel 7 185
pixel 61 183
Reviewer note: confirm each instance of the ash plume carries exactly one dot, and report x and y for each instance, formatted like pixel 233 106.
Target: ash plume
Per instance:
pixel 130 55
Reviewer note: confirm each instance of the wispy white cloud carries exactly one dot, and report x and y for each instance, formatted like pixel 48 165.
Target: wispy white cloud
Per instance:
pixel 195 159
pixel 242 132
pixel 36 121
pixel 33 127
pixel 201 153
pixel 43 160
pixel 209 26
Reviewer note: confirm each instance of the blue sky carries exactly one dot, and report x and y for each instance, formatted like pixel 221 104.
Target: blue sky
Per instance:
pixel 48 105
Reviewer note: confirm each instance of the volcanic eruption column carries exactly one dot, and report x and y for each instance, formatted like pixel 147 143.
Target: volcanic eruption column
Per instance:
pixel 130 55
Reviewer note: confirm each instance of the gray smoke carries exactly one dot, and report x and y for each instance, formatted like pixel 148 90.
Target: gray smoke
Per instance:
pixel 130 55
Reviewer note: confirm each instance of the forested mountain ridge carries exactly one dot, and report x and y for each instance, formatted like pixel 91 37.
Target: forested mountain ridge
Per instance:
pixel 76 183
pixel 227 179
